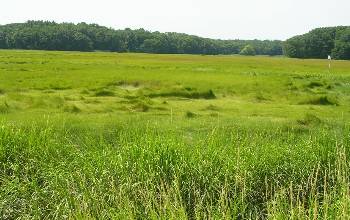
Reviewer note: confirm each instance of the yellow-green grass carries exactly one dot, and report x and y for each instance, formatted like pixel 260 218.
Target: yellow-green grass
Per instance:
pixel 125 136
pixel 249 87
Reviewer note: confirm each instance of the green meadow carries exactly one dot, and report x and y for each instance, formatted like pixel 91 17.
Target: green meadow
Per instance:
pixel 141 136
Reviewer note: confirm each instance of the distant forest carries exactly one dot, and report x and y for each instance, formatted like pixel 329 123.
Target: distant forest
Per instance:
pixel 319 43
pixel 45 35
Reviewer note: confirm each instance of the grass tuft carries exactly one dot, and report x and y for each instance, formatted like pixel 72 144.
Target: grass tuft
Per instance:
pixel 141 107
pixel 212 107
pixel 104 92
pixel 261 97
pixel 190 114
pixel 4 108
pixel 60 87
pixel 315 84
pixel 72 109
pixel 310 119
pixel 209 94
pixel 321 100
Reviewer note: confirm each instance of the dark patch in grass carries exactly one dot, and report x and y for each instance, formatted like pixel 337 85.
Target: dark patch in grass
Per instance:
pixel 123 108
pixel 309 119
pixel 19 62
pixel 298 77
pixel 160 108
pixel 104 92
pixel 40 88
pixel 125 83
pixel 212 108
pixel 138 99
pixel 4 108
pixel 141 107
pixel 186 94
pixel 71 98
pixel 85 92
pixel 59 87
pixel 72 109
pixel 139 103
pixel 293 88
pixel 92 101
pixel 214 114
pixel 2 92
pixel 315 84
pixel 260 97
pixel 131 97
pixel 40 103
pixel 190 114
pixel 57 101
pixel 299 129
pixel 329 87
pixel 321 100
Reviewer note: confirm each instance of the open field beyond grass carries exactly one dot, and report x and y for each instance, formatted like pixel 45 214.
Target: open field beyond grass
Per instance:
pixel 139 136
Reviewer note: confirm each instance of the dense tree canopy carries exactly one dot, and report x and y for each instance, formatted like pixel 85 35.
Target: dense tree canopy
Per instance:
pixel 248 51
pixel 342 45
pixel 43 35
pixel 319 43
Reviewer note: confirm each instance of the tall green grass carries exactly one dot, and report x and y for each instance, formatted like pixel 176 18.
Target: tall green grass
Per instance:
pixel 140 136
pixel 144 170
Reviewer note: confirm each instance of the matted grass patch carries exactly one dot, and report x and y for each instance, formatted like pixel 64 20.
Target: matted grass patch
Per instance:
pixel 320 100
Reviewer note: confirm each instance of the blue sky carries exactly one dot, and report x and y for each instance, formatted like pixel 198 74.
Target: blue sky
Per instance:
pixel 225 19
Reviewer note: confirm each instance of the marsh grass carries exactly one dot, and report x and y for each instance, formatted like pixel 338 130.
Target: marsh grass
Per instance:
pixel 212 108
pixel 104 92
pixel 124 83
pixel 4 108
pixel 172 137
pixel 209 94
pixel 190 114
pixel 135 170
pixel 321 100
pixel 310 119
pixel 315 84
pixel 72 108
pixel 141 107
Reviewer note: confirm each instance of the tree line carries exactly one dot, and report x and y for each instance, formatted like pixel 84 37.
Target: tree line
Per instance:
pixel 45 35
pixel 319 43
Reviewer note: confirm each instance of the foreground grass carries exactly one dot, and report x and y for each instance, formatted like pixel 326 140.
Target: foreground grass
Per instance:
pixel 136 136
pixel 144 170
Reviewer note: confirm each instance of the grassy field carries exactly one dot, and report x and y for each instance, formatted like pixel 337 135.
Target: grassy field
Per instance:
pixel 139 136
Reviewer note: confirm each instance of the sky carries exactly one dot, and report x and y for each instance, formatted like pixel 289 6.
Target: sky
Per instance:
pixel 219 19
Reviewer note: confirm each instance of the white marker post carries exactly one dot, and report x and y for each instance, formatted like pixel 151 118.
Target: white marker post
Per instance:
pixel 329 63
